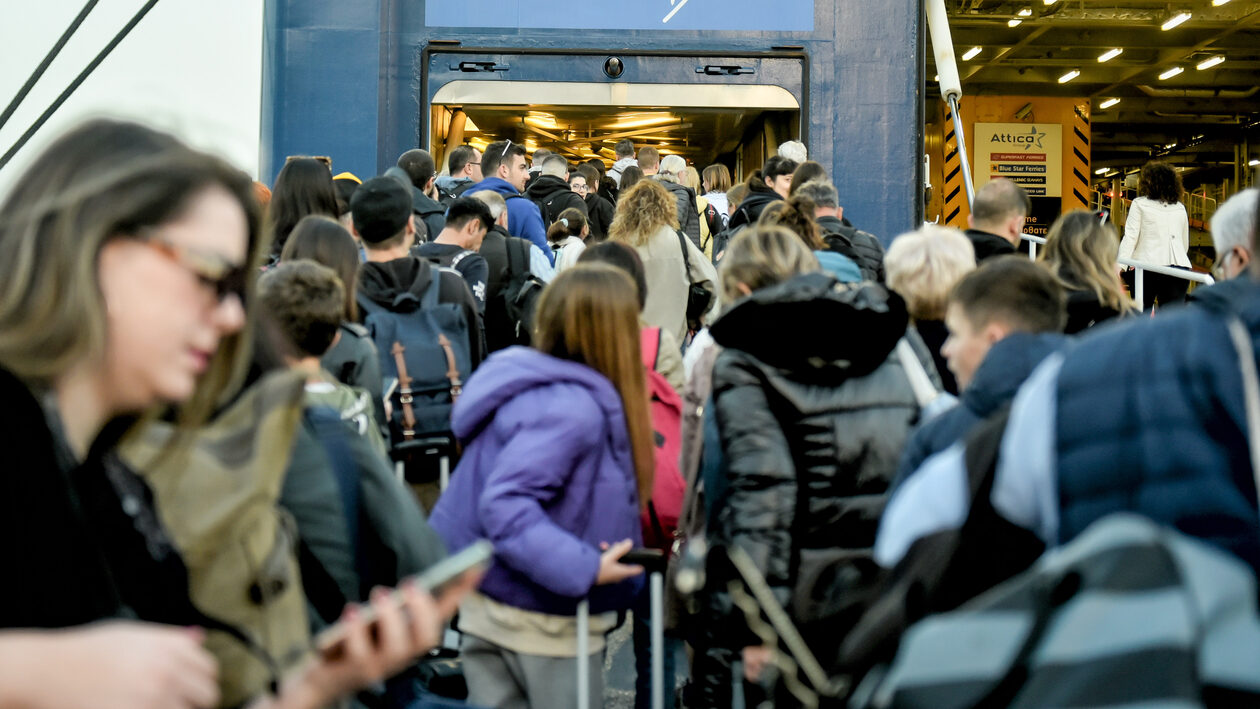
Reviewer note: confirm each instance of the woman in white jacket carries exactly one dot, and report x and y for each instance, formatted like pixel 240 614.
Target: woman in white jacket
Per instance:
pixel 1158 232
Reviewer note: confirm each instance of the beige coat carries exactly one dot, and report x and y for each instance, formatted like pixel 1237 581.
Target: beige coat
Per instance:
pixel 668 282
pixel 1156 233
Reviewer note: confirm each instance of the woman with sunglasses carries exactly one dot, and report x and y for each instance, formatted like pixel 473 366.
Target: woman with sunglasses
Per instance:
pixel 1081 251
pixel 124 258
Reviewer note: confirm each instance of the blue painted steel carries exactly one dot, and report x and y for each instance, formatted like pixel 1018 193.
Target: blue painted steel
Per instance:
pixel 343 79
pixel 735 15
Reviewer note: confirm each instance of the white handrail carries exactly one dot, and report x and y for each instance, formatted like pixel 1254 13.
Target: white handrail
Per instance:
pixel 1138 267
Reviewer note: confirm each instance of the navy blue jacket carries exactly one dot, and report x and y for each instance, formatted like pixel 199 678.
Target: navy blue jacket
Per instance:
pixel 999 376
pixel 1151 419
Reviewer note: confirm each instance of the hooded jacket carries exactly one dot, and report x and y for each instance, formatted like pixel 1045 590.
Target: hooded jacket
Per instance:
pixel 426 209
pixel 384 283
pixel 749 210
pixel 858 245
pixel 556 194
pixel 811 424
pixel 547 475
pixel 599 214
pixel 1008 363
pixel 524 219
pixel 620 167
pixel 988 245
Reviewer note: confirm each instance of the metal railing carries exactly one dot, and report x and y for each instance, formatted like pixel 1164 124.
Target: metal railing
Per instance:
pixel 1139 268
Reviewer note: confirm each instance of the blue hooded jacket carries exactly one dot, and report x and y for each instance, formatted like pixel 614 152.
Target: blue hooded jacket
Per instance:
pixel 1008 363
pixel 547 475
pixel 524 219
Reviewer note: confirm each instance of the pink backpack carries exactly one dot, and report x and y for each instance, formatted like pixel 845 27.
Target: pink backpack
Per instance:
pixel 660 517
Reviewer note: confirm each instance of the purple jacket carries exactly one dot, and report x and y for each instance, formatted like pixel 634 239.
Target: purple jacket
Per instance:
pixel 547 474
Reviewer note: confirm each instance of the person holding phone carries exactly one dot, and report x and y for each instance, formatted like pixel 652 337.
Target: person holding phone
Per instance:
pixel 126 276
pixel 557 464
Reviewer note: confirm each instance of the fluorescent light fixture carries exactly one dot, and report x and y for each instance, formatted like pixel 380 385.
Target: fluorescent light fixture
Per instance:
pixel 1069 76
pixel 1014 22
pixel 1171 73
pixel 1211 62
pixel 1170 146
pixel 1110 54
pixel 1048 2
pixel 1253 163
pixel 1026 12
pixel 1101 171
pixel 1218 3
pixel 1174 21
pixel 971 53
pixel 1108 103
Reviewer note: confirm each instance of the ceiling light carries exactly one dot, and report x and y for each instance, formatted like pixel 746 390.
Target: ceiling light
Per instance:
pixel 1110 54
pixel 1069 76
pixel 971 53
pixel 1218 3
pixel 1014 23
pixel 1211 62
pixel 1174 21
pixel 1101 171
pixel 1253 163
pixel 1171 73
pixel 1048 2
pixel 1170 146
pixel 1026 12
pixel 1108 103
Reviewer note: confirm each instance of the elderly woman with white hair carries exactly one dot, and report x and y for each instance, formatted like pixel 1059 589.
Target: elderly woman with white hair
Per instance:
pixel 673 177
pixel 922 267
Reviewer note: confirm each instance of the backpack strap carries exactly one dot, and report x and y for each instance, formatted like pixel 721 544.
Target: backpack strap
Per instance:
pixel 460 257
pixel 1251 390
pixel 682 242
pixel 405 391
pixel 924 392
pixel 650 345
pixel 452 370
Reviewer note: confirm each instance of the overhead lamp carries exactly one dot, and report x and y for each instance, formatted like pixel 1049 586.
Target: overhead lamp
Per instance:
pixel 1049 2
pixel 1170 146
pixel 1174 21
pixel 1211 62
pixel 1171 73
pixel 971 53
pixel 1110 54
pixel 1253 163
pixel 1108 103
pixel 1101 171
pixel 1069 76
pixel 1015 22
pixel 1026 12
pixel 1218 3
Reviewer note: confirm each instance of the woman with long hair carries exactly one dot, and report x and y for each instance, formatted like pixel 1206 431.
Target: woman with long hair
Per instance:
pixel 806 171
pixel 304 187
pixel 126 263
pixel 630 177
pixel 796 214
pixel 1081 251
pixel 1157 231
pixel 557 465
pixel 647 221
pixel 353 358
pixel 769 184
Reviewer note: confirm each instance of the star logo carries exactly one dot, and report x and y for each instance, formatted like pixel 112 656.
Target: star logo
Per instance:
pixel 1034 137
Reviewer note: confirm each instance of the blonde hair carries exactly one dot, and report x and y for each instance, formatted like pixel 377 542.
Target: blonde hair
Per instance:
pixel 1079 245
pixel 763 256
pixel 642 212
pixel 692 179
pixel 590 314
pixel 924 265
pixel 718 177
pixel 104 180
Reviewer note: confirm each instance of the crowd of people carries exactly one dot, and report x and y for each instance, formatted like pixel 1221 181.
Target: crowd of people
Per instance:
pixel 239 415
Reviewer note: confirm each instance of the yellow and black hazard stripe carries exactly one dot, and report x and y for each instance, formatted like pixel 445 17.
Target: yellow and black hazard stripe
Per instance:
pixel 1079 140
pixel 955 195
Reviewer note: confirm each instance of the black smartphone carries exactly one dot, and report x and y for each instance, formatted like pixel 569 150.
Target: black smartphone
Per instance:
pixel 435 579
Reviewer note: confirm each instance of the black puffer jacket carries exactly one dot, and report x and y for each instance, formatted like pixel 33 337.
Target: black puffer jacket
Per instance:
pixel 553 195
pixel 688 215
pixel 858 245
pixel 812 424
pixel 749 210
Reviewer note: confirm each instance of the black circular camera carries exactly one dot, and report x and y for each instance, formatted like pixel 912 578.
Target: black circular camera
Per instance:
pixel 614 67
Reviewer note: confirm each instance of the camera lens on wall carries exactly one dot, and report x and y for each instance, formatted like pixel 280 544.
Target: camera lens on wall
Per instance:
pixel 614 67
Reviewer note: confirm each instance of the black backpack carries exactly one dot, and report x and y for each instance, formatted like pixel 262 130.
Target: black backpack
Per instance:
pixel 446 197
pixel 425 352
pixel 521 292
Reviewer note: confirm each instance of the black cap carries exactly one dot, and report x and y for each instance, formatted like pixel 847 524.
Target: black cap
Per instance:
pixel 380 208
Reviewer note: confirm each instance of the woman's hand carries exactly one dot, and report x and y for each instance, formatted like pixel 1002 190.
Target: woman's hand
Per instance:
pixel 114 665
pixel 611 570
pixel 374 650
pixel 756 658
